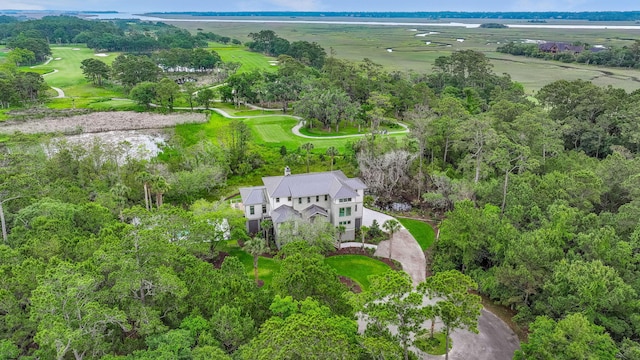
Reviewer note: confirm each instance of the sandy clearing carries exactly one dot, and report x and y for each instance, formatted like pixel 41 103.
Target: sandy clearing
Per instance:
pixel 101 122
pixel 137 144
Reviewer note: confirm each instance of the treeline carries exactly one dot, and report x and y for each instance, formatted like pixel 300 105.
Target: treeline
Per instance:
pixel 217 38
pixel 627 56
pixel 134 36
pixel 19 88
pixel 583 15
pixel 267 42
pixel 130 69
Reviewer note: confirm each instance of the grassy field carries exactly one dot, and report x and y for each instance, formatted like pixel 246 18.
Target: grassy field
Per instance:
pixel 250 61
pixel 69 76
pixel 273 131
pixel 357 267
pixel 421 231
pixel 411 52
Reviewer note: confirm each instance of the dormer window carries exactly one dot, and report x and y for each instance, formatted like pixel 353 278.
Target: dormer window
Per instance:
pixel 345 200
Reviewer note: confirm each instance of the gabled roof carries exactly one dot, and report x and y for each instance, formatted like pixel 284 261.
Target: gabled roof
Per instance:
pixel 284 213
pixel 334 183
pixel 314 210
pixel 253 195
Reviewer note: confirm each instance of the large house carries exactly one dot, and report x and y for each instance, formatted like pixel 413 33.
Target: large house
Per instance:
pixel 330 195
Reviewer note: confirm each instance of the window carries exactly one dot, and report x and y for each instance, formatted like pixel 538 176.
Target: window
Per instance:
pixel 252 210
pixel 345 200
pixel 277 200
pixel 264 209
pixel 308 199
pixel 289 198
pixel 345 222
pixel 326 197
pixel 346 211
pixel 356 210
pixel 317 198
pixel 299 200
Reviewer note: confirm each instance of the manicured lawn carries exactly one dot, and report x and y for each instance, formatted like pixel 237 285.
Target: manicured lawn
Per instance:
pixel 266 267
pixel 250 61
pixel 357 267
pixel 345 129
pixel 421 231
pixel 269 130
pixel 69 76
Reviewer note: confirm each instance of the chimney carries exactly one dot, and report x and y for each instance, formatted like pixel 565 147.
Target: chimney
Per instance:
pixel 287 171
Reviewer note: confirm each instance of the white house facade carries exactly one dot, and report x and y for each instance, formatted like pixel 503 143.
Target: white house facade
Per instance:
pixel 331 195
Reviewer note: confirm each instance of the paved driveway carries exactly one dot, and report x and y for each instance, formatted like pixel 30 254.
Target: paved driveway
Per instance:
pixel 495 340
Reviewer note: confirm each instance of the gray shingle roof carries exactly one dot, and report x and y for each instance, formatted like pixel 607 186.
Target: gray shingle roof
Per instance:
pixel 253 195
pixel 284 213
pixel 335 183
pixel 314 210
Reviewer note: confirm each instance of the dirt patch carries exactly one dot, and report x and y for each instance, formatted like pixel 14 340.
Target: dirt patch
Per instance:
pixel 351 285
pixel 101 122
pixel 218 260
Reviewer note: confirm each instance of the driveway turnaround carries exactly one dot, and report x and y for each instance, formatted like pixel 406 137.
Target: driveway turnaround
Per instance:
pixel 495 340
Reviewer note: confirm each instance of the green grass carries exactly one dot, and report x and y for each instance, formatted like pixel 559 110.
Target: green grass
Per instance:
pixel 273 131
pixel 69 76
pixel 250 61
pixel 435 346
pixel 421 231
pixel 267 267
pixel 357 267
pixel 257 112
pixel 354 42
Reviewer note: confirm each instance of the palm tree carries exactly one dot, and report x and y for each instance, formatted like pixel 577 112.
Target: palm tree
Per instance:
pixel 119 191
pixel 255 247
pixel 145 178
pixel 266 226
pixel 391 226
pixel 332 152
pixel 340 229
pixel 159 185
pixel 363 232
pixel 307 147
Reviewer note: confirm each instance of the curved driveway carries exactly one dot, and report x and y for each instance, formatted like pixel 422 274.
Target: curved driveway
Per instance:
pixel 495 340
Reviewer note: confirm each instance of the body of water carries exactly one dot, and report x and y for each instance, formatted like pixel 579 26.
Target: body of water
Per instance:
pixel 364 23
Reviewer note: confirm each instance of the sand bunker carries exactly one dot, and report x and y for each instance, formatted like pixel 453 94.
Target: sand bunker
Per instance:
pixel 57 59
pixel 75 49
pixel 102 55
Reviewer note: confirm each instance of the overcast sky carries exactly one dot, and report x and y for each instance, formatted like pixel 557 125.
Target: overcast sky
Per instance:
pixel 322 5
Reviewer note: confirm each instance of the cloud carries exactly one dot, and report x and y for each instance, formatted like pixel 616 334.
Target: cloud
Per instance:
pixel 20 5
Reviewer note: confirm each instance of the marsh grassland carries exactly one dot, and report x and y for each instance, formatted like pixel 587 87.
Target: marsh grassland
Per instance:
pixel 411 51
